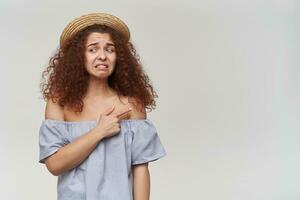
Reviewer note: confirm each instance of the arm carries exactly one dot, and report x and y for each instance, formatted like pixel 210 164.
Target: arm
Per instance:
pixel 141 175
pixel 141 182
pixel 70 155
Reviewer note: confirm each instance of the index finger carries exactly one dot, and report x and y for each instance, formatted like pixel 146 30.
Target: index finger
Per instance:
pixel 120 114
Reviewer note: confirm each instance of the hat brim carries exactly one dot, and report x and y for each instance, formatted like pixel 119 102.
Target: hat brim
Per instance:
pixel 84 21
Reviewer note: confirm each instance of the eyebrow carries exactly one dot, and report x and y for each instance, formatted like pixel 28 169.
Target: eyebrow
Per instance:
pixel 95 43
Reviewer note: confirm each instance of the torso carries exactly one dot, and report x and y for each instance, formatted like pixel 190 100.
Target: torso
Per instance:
pixel 92 109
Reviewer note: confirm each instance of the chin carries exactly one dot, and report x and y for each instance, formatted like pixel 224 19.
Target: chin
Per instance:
pixel 102 75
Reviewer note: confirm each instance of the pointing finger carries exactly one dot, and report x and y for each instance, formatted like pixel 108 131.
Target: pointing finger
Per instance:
pixel 121 114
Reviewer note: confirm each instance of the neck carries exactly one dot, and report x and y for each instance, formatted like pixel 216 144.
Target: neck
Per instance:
pixel 99 88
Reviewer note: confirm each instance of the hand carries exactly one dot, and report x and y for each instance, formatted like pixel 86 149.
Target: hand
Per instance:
pixel 109 123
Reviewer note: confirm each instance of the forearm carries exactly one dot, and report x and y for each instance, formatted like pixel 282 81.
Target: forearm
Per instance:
pixel 72 154
pixel 141 182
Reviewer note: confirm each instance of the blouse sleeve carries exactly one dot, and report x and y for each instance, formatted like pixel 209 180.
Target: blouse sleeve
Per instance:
pixel 51 138
pixel 146 144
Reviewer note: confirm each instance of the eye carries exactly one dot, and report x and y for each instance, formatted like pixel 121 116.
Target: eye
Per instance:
pixel 110 50
pixel 92 50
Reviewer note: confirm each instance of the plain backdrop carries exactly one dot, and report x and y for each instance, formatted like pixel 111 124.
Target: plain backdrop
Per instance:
pixel 228 79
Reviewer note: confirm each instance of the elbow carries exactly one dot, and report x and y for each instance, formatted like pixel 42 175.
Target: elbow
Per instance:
pixel 52 167
pixel 54 172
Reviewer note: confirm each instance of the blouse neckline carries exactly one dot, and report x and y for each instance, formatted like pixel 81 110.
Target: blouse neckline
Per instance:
pixel 93 121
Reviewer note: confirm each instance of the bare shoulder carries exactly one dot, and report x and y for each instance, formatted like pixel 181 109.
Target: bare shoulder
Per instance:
pixel 54 111
pixel 137 112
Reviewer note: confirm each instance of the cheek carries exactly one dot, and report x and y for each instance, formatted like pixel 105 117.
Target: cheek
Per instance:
pixel 114 58
pixel 88 59
pixel 88 62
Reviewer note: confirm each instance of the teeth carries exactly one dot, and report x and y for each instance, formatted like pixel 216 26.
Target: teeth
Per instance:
pixel 101 66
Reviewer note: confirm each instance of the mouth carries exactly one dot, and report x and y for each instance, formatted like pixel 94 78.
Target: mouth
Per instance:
pixel 101 66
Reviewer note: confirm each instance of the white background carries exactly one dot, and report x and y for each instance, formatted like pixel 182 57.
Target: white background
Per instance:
pixel 227 76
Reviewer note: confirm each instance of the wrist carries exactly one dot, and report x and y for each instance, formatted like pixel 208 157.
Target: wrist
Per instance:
pixel 99 133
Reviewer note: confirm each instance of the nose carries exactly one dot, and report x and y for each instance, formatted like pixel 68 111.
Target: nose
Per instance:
pixel 101 55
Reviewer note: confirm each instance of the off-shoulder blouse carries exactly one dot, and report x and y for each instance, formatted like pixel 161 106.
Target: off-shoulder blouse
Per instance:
pixel 106 173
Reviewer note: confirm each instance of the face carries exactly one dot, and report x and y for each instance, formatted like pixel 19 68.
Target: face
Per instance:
pixel 100 55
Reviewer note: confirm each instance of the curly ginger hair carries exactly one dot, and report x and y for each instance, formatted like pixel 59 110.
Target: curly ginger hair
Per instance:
pixel 65 79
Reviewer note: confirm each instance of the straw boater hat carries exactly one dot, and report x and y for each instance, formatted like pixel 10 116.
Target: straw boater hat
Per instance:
pixel 86 20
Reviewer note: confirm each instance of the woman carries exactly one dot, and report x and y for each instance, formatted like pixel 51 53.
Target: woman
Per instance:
pixel 96 136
